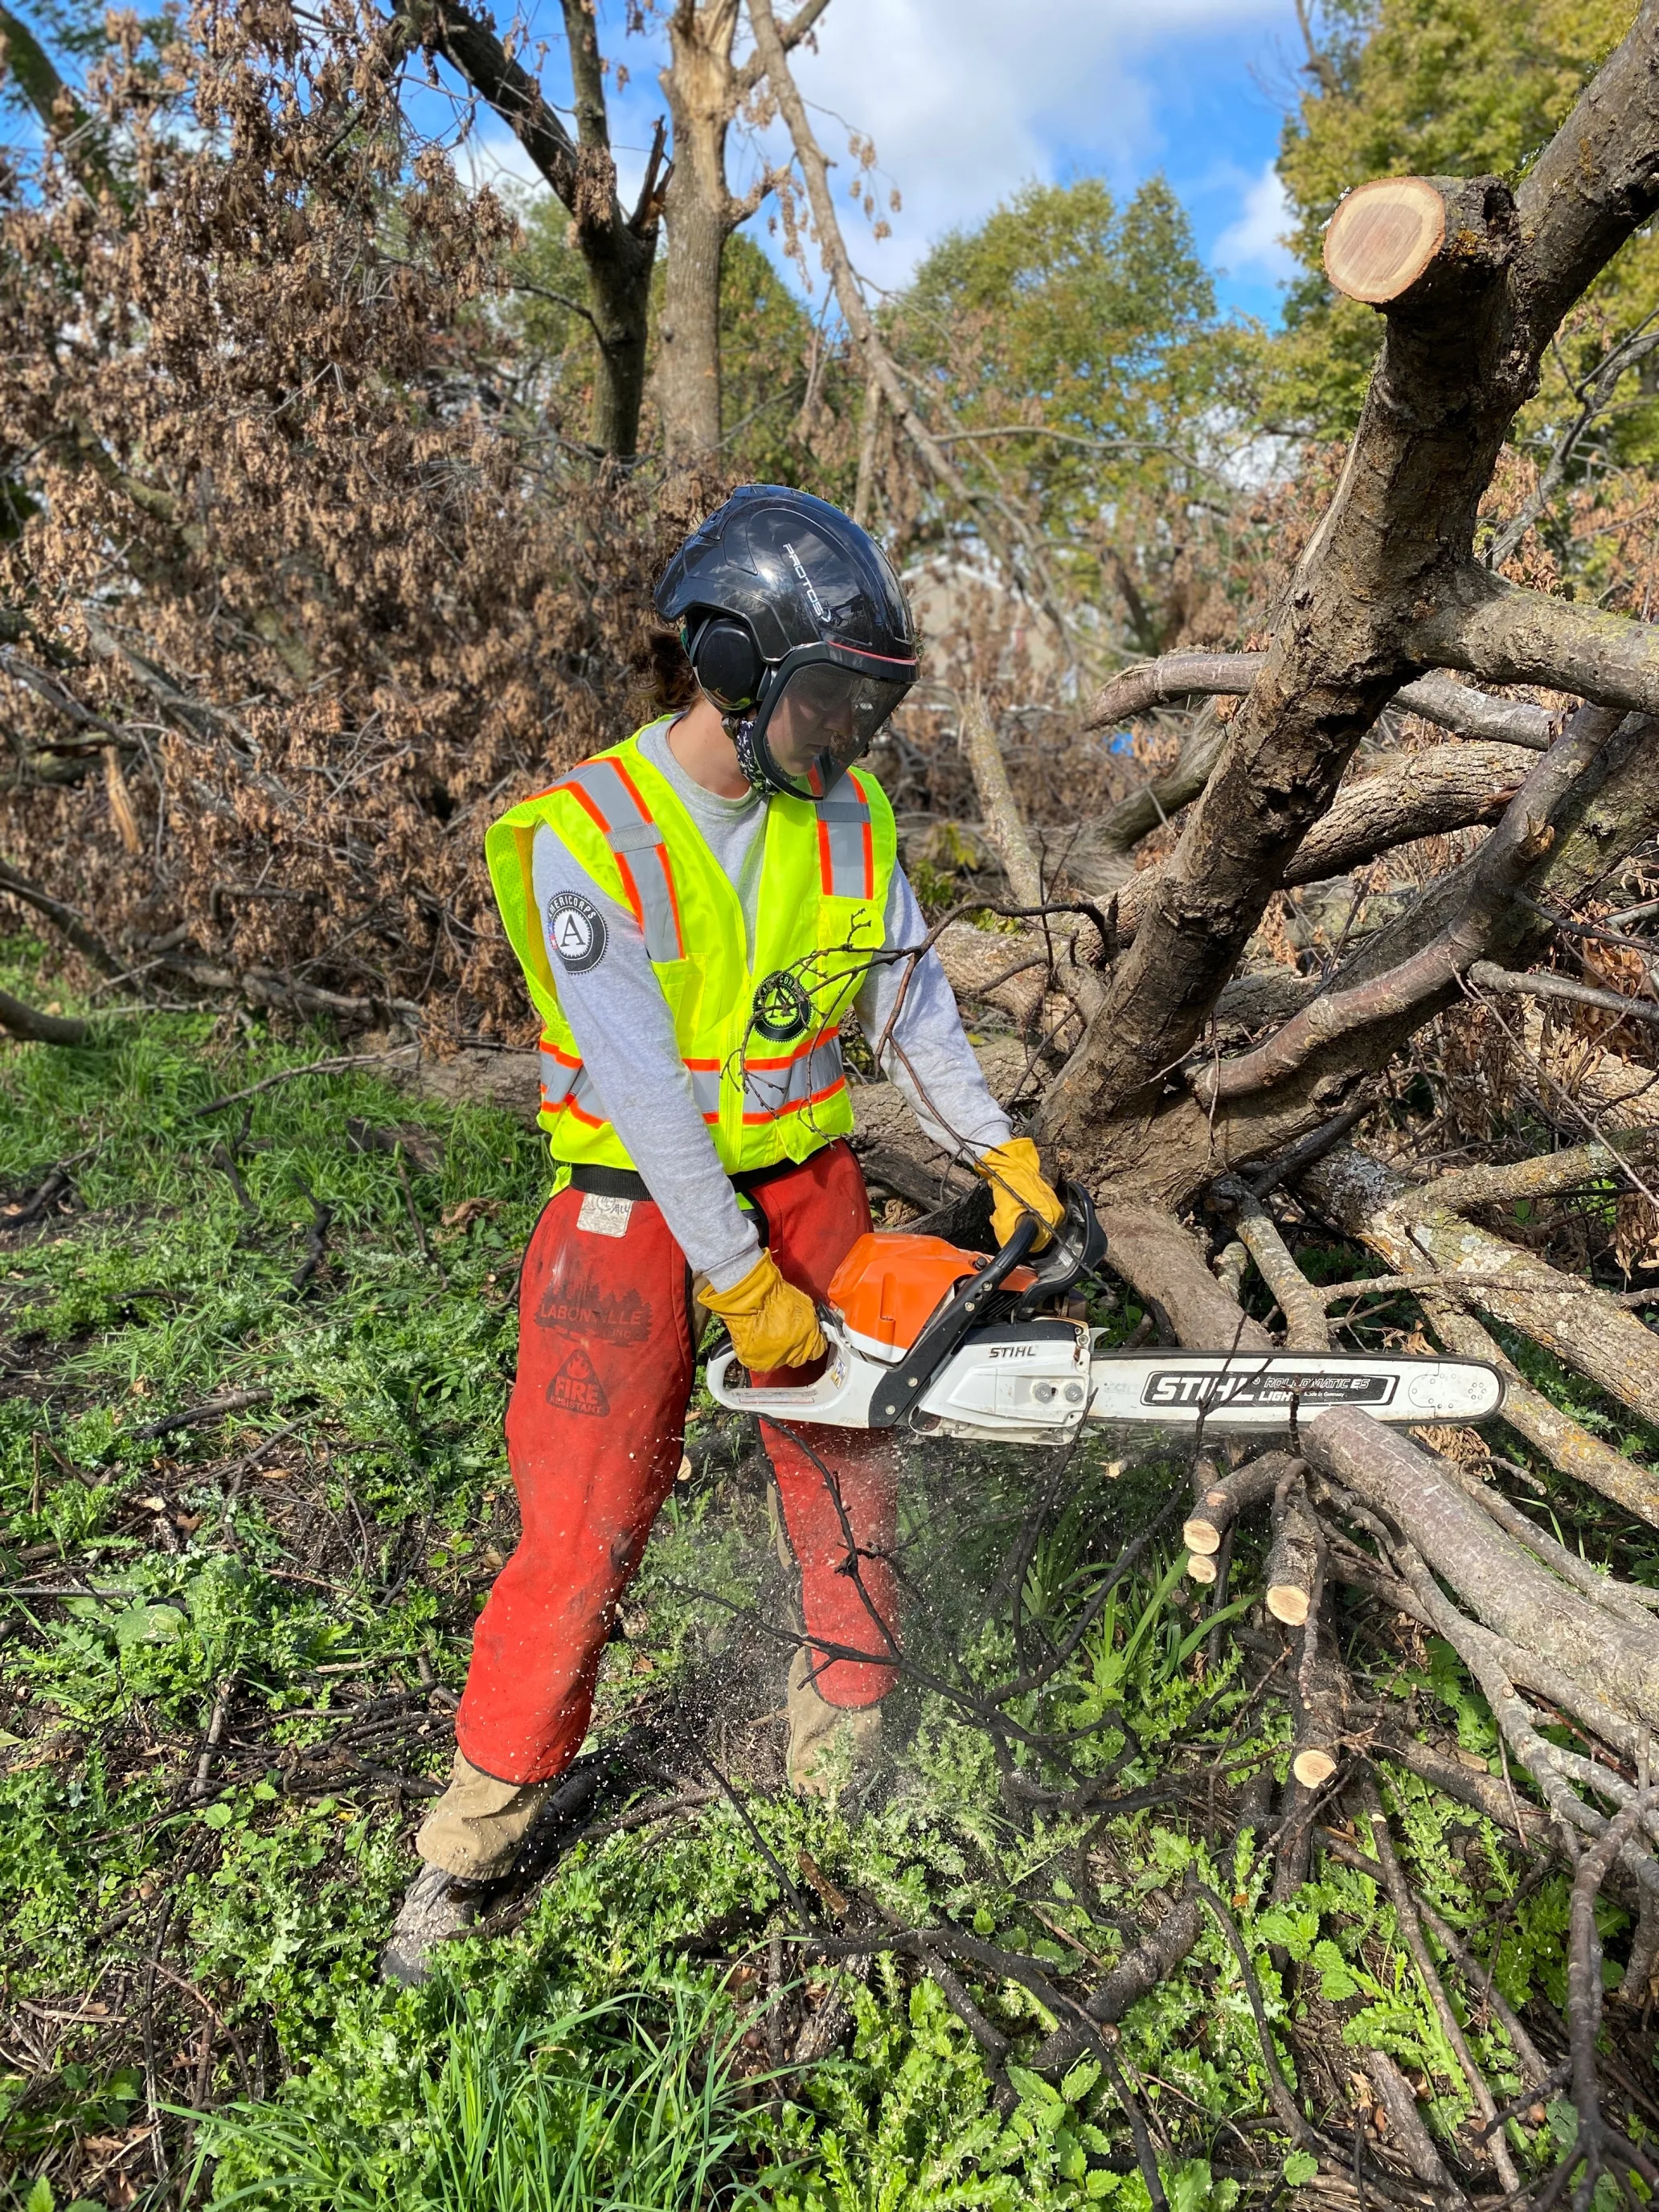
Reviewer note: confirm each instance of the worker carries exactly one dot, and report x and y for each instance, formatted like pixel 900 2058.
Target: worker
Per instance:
pixel 697 911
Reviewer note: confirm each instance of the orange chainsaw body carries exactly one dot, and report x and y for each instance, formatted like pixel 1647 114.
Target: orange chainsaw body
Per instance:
pixel 889 1286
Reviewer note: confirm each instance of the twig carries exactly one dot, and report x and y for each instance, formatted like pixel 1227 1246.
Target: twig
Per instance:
pixel 210 1409
pixel 1411 1928
pixel 334 1067
pixel 221 1714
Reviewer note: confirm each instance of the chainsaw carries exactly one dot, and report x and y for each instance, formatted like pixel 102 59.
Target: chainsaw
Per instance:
pixel 924 1336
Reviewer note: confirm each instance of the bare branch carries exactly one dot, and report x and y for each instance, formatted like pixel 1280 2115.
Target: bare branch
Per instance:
pixel 1514 847
pixel 1487 978
pixel 19 1020
pixel 790 35
pixel 1305 1326
pixel 1436 698
pixel 1004 826
pixel 1505 634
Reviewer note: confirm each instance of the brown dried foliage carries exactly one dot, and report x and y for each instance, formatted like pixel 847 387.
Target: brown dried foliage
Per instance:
pixel 283 536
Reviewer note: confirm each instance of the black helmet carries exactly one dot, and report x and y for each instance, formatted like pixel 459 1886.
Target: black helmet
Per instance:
pixel 797 629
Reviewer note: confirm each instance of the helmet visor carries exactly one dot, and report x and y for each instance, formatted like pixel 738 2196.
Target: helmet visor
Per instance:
pixel 823 717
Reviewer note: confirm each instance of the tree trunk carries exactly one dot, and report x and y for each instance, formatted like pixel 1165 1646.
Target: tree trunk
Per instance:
pixel 698 209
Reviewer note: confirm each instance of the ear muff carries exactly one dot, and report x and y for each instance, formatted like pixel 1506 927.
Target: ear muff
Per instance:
pixel 726 662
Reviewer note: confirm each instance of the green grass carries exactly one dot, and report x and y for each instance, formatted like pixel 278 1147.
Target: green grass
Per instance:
pixel 615 2049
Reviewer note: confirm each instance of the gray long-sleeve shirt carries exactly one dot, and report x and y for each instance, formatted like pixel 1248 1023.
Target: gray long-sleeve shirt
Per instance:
pixel 625 1029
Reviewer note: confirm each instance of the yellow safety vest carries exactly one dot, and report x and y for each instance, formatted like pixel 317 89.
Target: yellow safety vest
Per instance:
pixel 761 1043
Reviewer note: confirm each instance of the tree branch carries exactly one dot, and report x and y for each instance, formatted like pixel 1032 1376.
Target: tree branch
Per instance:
pixel 1135 691
pixel 1005 828
pixel 790 35
pixel 1505 634
pixel 28 1023
pixel 1487 978
pixel 1520 839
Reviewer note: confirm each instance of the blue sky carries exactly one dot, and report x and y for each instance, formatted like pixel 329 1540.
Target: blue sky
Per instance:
pixel 966 98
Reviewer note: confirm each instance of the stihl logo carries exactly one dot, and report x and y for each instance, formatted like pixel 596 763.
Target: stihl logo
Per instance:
pixel 1176 1387
pixel 1012 1351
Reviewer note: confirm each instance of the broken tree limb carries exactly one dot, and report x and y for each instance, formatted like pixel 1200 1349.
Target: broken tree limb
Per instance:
pixel 1595 1582
pixel 1318 1697
pixel 1524 834
pixel 1136 691
pixel 1437 698
pixel 1406 2128
pixel 28 1024
pixel 1575 1320
pixel 1220 1499
pixel 1305 1326
pixel 1358 1194
pixel 1163 1262
pixel 1420 794
pixel 1506 634
pixel 1005 826
pixel 1295 1558
pixel 1510 1593
pixel 1407 1921
pixel 1460 356
pixel 1544 1175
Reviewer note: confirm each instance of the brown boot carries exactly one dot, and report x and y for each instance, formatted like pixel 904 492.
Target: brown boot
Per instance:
pixel 834 1750
pixel 475 1829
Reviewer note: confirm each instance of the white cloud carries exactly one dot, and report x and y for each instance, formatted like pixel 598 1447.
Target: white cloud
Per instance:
pixel 967 99
pixel 1254 241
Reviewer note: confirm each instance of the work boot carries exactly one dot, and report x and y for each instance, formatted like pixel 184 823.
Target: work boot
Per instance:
pixel 834 1750
pixel 439 1907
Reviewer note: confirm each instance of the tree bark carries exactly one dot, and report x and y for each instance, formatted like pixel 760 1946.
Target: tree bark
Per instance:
pixel 1135 691
pixel 701 85
pixel 1550 1626
pixel 1505 634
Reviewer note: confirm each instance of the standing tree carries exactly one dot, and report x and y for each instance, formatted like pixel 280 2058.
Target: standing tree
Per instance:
pixel 618 248
pixel 705 89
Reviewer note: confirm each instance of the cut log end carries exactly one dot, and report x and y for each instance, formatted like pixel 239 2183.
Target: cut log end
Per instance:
pixel 1201 1536
pixel 1200 1568
pixel 1314 1767
pixel 1382 237
pixel 1288 1602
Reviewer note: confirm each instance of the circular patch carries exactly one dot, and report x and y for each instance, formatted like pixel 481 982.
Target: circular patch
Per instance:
pixel 575 930
pixel 782 1009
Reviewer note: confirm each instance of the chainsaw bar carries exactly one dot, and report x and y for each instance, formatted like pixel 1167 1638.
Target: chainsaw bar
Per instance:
pixel 1037 1382
pixel 1254 1391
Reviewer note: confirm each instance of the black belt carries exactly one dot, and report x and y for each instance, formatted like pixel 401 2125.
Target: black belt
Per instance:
pixel 624 1182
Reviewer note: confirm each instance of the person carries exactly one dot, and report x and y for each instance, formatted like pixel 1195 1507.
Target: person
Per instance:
pixel 696 910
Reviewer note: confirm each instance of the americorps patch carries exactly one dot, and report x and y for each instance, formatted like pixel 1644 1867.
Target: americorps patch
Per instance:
pixel 576 930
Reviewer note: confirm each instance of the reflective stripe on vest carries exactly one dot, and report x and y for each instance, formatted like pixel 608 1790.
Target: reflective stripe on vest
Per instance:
pixel 705 1076
pixel 607 793
pixel 847 859
pixel 805 1077
pixel 566 1082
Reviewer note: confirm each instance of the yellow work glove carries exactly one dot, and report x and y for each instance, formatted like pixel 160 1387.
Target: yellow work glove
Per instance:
pixel 1017 1187
pixel 772 1323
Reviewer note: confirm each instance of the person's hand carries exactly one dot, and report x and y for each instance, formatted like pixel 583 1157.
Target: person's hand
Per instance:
pixel 772 1323
pixel 1018 1187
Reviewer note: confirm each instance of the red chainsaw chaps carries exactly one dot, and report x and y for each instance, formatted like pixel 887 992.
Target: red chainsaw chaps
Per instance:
pixel 594 1434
